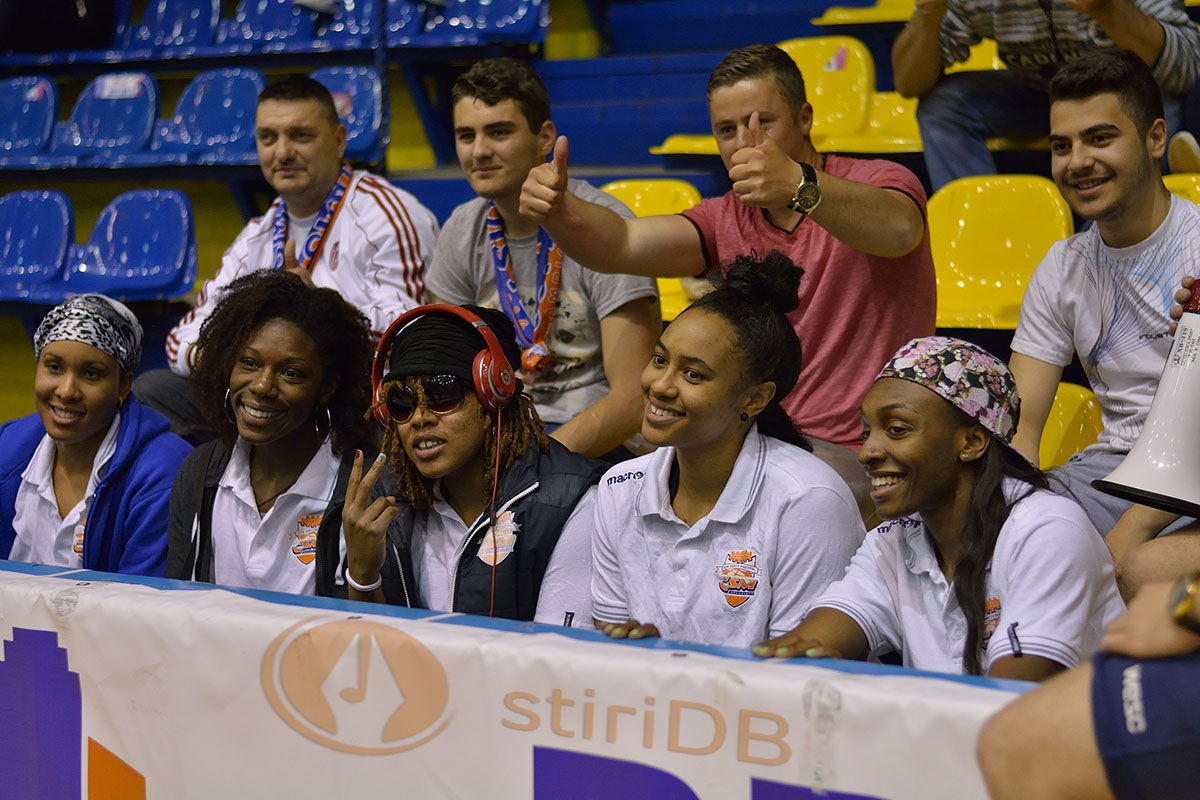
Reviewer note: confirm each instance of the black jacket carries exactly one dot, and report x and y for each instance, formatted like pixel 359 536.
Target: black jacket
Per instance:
pixel 537 493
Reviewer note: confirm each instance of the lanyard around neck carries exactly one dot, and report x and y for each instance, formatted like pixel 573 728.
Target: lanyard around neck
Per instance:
pixel 307 255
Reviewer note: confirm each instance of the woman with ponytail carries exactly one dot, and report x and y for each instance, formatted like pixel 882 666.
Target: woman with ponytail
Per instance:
pixel 732 527
pixel 980 569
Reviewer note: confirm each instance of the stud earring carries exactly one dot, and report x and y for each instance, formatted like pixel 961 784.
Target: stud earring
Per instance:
pixel 745 417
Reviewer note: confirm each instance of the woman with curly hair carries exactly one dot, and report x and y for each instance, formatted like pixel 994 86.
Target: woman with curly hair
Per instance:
pixel 283 378
pixel 474 521
pixel 979 568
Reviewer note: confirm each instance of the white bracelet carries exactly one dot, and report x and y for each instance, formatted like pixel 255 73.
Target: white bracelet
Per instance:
pixel 364 588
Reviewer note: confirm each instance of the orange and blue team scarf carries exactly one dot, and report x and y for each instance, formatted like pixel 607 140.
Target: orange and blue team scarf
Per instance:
pixel 532 335
pixel 307 255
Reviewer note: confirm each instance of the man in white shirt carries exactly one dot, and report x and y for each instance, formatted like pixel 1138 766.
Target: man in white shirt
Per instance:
pixel 1104 293
pixel 334 226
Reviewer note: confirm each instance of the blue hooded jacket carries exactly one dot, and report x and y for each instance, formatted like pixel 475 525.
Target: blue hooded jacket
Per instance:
pixel 126 527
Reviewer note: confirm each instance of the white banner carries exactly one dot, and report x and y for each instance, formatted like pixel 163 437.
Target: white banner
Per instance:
pixel 199 692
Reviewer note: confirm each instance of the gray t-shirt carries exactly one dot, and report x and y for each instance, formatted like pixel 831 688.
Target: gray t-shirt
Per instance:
pixel 462 272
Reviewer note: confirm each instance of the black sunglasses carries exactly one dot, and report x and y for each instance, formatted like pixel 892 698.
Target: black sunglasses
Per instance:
pixel 443 394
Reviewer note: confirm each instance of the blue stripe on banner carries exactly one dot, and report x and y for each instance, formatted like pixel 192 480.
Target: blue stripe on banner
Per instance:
pixel 355 607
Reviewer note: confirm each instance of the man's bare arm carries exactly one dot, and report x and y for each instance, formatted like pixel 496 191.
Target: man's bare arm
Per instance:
pixel 917 53
pixel 1037 383
pixel 600 239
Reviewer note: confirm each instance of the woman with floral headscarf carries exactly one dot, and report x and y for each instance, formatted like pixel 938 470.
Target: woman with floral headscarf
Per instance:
pixel 979 568
pixel 85 481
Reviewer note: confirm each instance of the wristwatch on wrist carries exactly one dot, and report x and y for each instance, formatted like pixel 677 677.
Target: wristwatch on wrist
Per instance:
pixel 1182 601
pixel 808 192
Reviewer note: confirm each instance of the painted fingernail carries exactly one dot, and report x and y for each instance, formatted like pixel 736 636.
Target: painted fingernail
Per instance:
pixel 358 455
pixel 760 649
pixel 814 652
pixel 379 459
pixel 618 632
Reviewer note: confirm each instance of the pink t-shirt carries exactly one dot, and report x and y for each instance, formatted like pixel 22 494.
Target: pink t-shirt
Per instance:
pixel 856 309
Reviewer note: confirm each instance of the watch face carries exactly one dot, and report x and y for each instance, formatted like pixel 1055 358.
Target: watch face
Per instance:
pixel 808 195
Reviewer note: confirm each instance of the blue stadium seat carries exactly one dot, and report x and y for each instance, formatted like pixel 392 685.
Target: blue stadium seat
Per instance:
pixel 261 26
pixel 115 114
pixel 405 22
pixel 37 229
pixel 28 110
pixel 358 94
pixel 473 22
pixel 213 122
pixel 142 248
pixel 351 27
pixel 172 27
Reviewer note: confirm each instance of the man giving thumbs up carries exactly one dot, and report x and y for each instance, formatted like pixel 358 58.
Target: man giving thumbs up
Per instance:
pixel 855 227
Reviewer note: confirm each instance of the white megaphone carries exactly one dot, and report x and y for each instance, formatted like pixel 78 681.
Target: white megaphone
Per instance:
pixel 1163 468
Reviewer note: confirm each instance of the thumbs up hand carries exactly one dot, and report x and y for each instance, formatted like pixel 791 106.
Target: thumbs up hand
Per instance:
pixel 292 265
pixel 546 186
pixel 762 174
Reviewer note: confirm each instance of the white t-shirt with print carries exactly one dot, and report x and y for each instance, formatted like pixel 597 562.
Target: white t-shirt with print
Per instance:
pixel 783 529
pixel 276 551
pixel 439 535
pixel 42 536
pixel 1050 591
pixel 1110 305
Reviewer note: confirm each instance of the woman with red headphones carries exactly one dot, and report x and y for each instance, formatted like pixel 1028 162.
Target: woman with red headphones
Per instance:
pixel 471 520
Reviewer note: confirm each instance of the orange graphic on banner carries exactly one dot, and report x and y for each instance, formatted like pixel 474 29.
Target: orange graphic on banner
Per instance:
pixel 110 778
pixel 394 690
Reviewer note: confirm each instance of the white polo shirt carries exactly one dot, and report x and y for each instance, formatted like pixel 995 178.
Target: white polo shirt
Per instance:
pixel 42 536
pixel 276 551
pixel 1050 590
pixel 439 535
pixel 783 529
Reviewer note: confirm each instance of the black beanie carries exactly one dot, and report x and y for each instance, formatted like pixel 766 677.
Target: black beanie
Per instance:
pixel 443 344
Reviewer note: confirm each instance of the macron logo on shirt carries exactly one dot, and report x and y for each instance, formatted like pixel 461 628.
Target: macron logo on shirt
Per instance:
pixel 627 476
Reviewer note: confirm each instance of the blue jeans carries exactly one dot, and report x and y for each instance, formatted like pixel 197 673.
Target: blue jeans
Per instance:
pixel 962 111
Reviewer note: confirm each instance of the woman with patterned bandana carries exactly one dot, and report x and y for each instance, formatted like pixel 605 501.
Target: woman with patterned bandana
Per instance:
pixel 85 481
pixel 979 568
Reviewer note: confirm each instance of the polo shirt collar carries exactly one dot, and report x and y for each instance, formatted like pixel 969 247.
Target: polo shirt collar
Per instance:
pixel 314 482
pixel 736 500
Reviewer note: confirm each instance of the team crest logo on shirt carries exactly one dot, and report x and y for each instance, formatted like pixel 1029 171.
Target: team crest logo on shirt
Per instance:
pixel 78 546
pixel 333 257
pixel 991 620
pixel 738 576
pixel 493 550
pixel 304 547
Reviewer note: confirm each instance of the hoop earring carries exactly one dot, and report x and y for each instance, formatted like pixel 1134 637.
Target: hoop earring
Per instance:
pixel 328 421
pixel 229 409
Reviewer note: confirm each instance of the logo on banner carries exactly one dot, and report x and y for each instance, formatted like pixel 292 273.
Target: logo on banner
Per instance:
pixel 304 547
pixel 493 550
pixel 738 576
pixel 356 686
pixel 991 620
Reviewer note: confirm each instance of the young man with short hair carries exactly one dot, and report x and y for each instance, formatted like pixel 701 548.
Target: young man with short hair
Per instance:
pixel 1104 293
pixel 585 337
pixel 334 226
pixel 856 227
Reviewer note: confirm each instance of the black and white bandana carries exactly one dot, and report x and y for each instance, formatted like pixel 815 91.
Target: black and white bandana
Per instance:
pixel 97 320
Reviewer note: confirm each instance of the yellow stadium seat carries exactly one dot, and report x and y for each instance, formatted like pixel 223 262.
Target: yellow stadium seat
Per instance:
pixel 839 79
pixel 659 196
pixel 891 128
pixel 987 234
pixel 883 11
pixel 1184 184
pixel 1073 424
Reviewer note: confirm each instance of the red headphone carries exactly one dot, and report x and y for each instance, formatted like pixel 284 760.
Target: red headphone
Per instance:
pixel 495 383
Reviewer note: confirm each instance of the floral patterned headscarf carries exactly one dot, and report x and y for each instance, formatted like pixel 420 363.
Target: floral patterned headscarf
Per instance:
pixel 968 377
